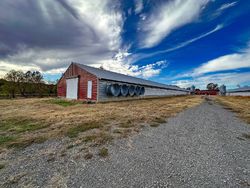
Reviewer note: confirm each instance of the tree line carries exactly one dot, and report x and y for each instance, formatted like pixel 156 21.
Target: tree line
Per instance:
pixel 25 84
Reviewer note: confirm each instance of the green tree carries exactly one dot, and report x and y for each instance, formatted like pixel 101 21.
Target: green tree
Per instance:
pixel 29 83
pixel 11 87
pixel 212 86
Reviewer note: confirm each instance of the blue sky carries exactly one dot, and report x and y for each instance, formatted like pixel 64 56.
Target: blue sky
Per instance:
pixel 182 42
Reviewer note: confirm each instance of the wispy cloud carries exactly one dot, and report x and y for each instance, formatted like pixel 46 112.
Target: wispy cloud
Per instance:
pixel 222 8
pixel 225 63
pixel 138 6
pixel 227 5
pixel 218 27
pixel 168 17
pixel 178 46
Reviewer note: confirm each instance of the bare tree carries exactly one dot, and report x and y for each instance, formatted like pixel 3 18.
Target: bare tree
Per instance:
pixel 37 79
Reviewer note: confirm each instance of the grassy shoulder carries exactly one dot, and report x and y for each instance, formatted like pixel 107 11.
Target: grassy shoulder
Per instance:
pixel 27 121
pixel 238 104
pixel 62 102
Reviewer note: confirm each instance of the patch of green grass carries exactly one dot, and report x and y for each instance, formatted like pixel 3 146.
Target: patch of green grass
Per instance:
pixel 2 166
pixel 19 125
pixel 62 102
pixel 19 144
pixel 6 139
pixel 74 131
pixel 103 152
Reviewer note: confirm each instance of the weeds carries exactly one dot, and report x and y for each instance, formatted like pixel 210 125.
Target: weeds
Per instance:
pixel 118 131
pixel 20 124
pixel 2 166
pixel 103 152
pixel 154 125
pixel 6 139
pixel 89 138
pixel 74 131
pixel 103 138
pixel 19 143
pixel 127 124
pixel 160 120
pixel 62 102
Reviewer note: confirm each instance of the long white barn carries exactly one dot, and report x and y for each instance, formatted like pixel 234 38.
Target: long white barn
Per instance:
pixel 82 82
pixel 243 91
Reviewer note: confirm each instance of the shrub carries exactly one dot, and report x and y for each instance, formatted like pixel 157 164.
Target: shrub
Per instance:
pixel 103 152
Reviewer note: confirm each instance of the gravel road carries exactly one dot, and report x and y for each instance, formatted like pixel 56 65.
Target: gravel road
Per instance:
pixel 203 146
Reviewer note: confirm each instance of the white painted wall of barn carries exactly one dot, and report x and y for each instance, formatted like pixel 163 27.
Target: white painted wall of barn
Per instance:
pixel 149 91
pixel 162 92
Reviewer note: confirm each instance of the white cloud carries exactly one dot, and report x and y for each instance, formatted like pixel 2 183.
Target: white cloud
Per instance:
pixel 227 5
pixel 218 27
pixel 6 66
pixel 106 21
pixel 120 65
pixel 37 59
pixel 178 46
pixel 223 63
pixel 97 43
pixel 45 61
pixel 209 71
pixel 169 17
pixel 231 80
pixel 222 8
pixel 87 32
pixel 153 69
pixel 138 6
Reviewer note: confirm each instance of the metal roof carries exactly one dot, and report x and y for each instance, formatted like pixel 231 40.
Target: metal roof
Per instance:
pixel 109 75
pixel 241 89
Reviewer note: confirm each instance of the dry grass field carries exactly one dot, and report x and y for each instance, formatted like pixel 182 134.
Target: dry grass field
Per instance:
pixel 27 121
pixel 237 104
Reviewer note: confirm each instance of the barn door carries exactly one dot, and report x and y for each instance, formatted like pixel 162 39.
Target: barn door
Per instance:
pixel 72 88
pixel 89 94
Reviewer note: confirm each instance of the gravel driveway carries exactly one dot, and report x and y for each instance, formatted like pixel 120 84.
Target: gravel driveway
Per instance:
pixel 203 146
